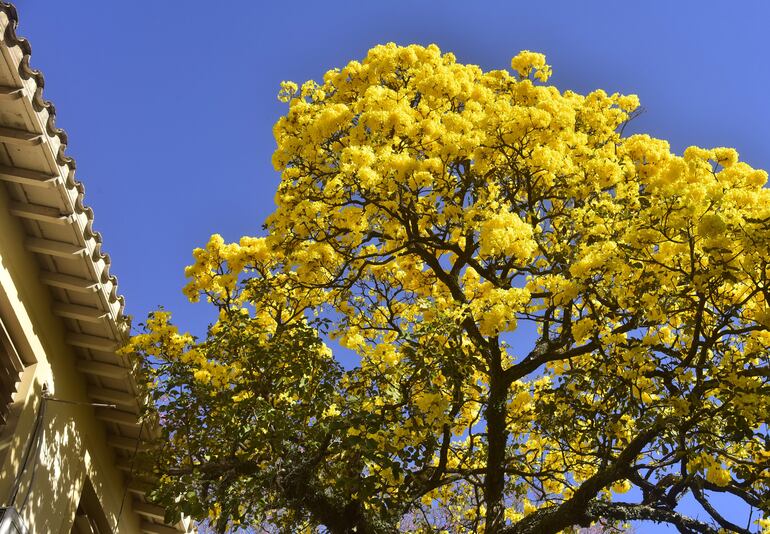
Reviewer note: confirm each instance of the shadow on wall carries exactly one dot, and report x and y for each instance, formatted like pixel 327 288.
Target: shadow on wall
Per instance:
pixel 49 468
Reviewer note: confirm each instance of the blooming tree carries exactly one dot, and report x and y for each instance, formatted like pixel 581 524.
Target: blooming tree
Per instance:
pixel 426 211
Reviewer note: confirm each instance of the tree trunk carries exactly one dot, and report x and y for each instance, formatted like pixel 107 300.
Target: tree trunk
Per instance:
pixel 497 436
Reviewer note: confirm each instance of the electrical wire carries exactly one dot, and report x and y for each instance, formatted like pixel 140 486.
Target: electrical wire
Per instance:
pixel 130 476
pixel 33 439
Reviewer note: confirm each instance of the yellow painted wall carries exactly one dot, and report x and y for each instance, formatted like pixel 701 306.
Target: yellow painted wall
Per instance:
pixel 74 441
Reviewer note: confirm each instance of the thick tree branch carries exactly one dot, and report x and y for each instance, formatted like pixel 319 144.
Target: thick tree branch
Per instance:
pixel 640 512
pixel 572 511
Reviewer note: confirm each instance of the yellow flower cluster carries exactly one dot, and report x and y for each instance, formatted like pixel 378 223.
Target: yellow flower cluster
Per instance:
pixel 505 234
pixel 525 62
pixel 163 341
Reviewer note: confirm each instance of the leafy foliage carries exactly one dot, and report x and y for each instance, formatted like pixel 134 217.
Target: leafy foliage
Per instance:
pixel 426 211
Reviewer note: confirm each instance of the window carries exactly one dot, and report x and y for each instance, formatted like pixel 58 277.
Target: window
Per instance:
pixel 90 518
pixel 11 367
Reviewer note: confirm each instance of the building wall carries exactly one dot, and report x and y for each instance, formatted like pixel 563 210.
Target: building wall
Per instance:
pixel 73 442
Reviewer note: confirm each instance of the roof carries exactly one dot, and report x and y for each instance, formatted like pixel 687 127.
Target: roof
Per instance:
pixel 49 202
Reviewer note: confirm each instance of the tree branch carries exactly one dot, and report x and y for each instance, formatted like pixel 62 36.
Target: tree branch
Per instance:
pixel 553 519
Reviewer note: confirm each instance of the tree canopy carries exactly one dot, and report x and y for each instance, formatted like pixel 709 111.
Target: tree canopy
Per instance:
pixel 547 314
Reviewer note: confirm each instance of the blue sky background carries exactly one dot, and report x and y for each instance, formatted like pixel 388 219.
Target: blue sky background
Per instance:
pixel 169 104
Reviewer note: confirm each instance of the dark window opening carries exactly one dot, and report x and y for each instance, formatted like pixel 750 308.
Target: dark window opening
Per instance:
pixel 11 367
pixel 90 518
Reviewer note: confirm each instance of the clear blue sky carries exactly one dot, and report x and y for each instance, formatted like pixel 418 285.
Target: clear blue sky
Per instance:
pixel 169 104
